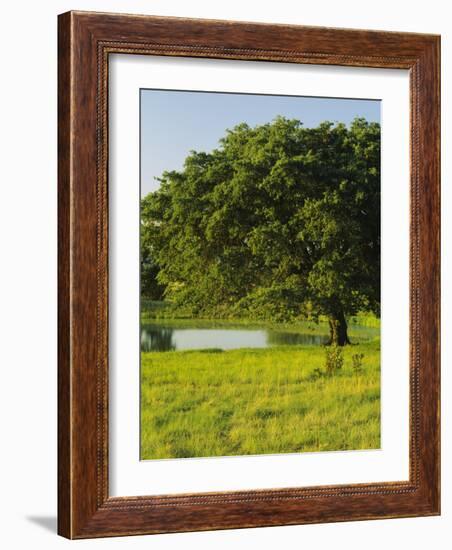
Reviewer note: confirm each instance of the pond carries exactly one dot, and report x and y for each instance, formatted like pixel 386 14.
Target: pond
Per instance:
pixel 171 337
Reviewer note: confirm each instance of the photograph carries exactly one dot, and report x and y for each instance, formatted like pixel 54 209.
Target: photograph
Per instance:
pixel 260 225
pixel 227 226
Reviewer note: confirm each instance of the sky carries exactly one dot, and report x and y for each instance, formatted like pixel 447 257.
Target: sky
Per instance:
pixel 175 122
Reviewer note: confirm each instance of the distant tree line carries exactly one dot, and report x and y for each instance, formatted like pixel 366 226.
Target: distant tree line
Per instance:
pixel 280 222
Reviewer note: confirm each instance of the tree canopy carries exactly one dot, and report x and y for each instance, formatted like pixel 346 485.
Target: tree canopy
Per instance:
pixel 279 222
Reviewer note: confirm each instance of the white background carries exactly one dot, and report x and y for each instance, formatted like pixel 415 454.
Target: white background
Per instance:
pixel 28 271
pixel 128 475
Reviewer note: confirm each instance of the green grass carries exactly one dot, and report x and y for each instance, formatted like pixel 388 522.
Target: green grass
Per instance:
pixel 257 401
pixel 364 320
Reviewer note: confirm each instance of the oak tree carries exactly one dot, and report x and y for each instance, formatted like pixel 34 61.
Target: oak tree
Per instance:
pixel 279 222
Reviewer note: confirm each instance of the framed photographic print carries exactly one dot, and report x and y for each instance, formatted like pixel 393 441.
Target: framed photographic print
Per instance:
pixel 248 275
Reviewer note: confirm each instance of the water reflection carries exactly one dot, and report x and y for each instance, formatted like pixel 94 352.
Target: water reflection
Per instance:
pixel 276 338
pixel 156 337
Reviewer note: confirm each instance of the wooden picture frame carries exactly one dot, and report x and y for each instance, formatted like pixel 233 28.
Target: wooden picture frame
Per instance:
pixel 85 42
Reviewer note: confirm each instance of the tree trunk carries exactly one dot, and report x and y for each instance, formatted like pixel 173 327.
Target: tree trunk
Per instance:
pixel 338 330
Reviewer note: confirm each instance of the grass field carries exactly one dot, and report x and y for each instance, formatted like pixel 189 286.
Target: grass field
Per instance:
pixel 257 401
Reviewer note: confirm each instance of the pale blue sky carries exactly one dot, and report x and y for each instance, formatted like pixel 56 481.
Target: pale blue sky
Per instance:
pixel 175 122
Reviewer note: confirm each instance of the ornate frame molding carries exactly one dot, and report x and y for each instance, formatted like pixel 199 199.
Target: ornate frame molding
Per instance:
pixel 85 42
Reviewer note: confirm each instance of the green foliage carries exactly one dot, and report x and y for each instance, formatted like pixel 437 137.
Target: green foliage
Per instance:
pixel 334 360
pixel 150 286
pixel 241 402
pixel 365 320
pixel 275 303
pixel 279 222
pixel 357 363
